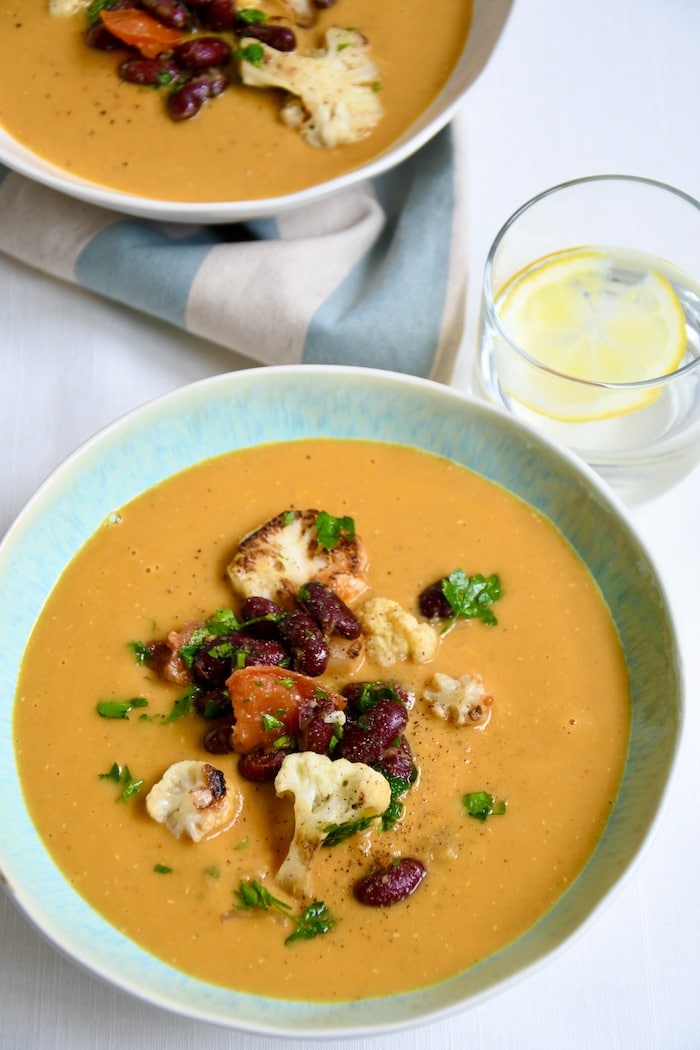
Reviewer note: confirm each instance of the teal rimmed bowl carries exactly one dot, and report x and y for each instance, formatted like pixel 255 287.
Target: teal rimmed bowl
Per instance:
pixel 241 409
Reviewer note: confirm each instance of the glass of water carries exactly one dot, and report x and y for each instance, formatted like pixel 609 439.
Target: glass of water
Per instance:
pixel 590 326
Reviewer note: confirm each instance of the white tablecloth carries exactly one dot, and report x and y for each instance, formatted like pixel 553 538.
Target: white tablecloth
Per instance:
pixel 575 87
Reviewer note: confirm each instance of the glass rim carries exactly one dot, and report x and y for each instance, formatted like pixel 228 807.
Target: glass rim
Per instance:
pixel 488 296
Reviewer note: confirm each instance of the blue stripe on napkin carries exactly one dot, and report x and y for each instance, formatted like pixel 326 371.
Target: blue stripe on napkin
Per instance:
pixel 388 312
pixel 138 264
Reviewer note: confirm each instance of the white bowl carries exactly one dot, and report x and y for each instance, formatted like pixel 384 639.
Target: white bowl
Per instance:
pixel 488 19
pixel 241 409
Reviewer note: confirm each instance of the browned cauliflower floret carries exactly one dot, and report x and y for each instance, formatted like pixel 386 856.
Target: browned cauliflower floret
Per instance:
pixel 393 634
pixel 326 793
pixel 463 700
pixel 283 554
pixel 66 7
pixel 334 91
pixel 193 798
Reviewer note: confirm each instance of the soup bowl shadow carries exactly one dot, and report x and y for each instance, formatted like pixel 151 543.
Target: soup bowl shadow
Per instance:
pixel 243 409
pixel 488 20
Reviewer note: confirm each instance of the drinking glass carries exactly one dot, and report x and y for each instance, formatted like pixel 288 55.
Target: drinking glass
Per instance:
pixel 636 242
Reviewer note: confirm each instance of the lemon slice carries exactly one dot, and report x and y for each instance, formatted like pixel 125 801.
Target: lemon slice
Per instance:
pixel 598 318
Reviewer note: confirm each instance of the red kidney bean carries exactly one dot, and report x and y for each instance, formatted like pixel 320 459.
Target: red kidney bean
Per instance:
pixel 391 884
pixel 367 739
pixel 214 704
pixel 397 761
pixel 433 604
pixel 217 738
pixel 150 72
pixel 323 4
pixel 220 14
pixel 258 609
pixel 329 610
pixel 218 657
pixel 172 13
pixel 186 101
pixel 305 643
pixel 363 695
pixel 261 766
pixel 281 38
pixel 203 52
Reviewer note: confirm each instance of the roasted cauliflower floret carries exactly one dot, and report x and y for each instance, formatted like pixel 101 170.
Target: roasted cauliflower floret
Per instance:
pixel 326 793
pixel 463 700
pixel 193 798
pixel 393 634
pixel 275 560
pixel 334 91
pixel 66 7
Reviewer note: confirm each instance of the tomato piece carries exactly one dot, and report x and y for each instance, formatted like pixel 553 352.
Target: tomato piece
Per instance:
pixel 139 29
pixel 268 702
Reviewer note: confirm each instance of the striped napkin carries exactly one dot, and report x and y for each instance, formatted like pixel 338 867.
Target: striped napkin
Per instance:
pixel 374 275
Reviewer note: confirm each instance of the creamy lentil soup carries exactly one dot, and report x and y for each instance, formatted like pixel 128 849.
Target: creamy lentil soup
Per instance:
pixel 552 750
pixel 65 101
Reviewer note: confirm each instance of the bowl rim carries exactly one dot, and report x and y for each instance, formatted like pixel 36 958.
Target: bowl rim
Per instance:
pixel 489 18
pixel 316 1020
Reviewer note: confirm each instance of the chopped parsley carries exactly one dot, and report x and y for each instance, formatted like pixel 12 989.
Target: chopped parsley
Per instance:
pixel 335 833
pixel 162 869
pixel 253 53
pixel 331 530
pixel 469 597
pixel 120 708
pixel 481 805
pixel 141 651
pixel 184 705
pixel 314 920
pixel 271 722
pixel 251 15
pixel 122 775
pixel 394 811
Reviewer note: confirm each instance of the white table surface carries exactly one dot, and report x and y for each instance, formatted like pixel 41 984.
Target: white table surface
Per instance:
pixel 575 87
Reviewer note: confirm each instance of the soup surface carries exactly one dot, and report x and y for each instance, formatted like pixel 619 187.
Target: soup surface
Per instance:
pixel 552 750
pixel 65 101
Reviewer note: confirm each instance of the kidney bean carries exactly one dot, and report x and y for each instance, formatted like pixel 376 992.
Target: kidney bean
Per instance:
pixel 261 766
pixel 219 14
pixel 186 100
pixel 362 695
pixel 305 643
pixel 203 52
pixel 257 609
pixel 367 739
pixel 150 72
pixel 100 38
pixel 397 760
pixel 215 660
pixel 391 884
pixel 171 13
pixel 329 610
pixel 433 604
pixel 214 704
pixel 217 738
pixel 281 38
pixel 323 4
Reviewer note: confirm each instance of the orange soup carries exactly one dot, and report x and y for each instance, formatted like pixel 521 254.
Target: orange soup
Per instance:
pixel 65 101
pixel 548 758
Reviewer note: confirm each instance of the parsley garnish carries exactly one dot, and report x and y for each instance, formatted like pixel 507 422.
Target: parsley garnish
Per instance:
pixel 122 776
pixel 314 920
pixel 331 530
pixel 250 15
pixel 394 811
pixel 271 722
pixel 184 705
pixel 141 651
pixel 336 833
pixel 480 804
pixel 119 708
pixel 162 869
pixel 253 53
pixel 470 596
